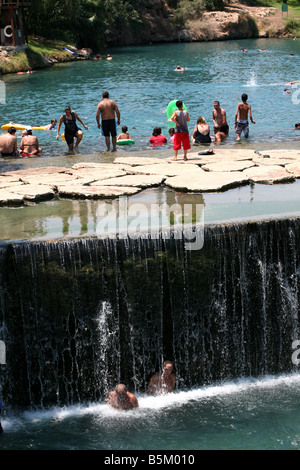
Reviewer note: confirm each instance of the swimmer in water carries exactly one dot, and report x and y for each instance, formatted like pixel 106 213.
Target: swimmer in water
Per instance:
pixel 163 382
pixel 124 134
pixel 121 399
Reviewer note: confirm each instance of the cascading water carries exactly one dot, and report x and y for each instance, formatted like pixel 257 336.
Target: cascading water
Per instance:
pixel 79 316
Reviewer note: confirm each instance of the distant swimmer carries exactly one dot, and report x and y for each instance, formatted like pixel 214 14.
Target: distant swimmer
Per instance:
pixel 293 82
pixel 180 69
pixel 121 399
pixel 9 143
pixel 241 117
pixel 29 146
pixel 108 57
pixel 52 125
pixel 244 50
pixel 297 125
pixel 287 91
pixel 107 109
pixel 72 131
pixel 163 382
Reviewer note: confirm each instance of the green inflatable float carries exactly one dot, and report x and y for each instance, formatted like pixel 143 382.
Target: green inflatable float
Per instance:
pixel 170 110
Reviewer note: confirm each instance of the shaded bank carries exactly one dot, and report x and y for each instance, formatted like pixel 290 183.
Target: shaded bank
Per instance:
pixel 79 316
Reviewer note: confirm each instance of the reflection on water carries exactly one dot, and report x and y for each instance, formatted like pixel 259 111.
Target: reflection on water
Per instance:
pixel 152 209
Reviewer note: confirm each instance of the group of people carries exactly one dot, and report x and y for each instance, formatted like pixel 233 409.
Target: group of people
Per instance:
pixel 179 135
pixel 29 146
pixel 108 112
pixel 160 383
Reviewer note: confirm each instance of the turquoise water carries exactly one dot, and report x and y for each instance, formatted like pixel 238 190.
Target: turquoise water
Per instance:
pixel 261 414
pixel 251 414
pixel 142 81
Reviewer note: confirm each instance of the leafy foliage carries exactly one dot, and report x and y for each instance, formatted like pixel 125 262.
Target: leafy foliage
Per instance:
pixel 88 23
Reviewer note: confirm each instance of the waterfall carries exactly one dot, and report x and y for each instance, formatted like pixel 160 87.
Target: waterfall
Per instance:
pixel 79 316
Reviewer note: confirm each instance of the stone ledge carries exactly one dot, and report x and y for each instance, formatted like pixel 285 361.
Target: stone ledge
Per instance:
pixel 226 168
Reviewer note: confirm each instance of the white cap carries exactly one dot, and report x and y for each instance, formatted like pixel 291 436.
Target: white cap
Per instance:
pixel 28 128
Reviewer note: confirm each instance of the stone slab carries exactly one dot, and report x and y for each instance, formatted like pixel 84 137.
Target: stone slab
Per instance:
pixel 228 166
pixel 269 174
pixel 166 169
pixel 34 193
pixel 97 192
pixel 281 153
pixel 141 181
pixel 207 181
pixel 294 168
pixel 10 199
pixel 134 161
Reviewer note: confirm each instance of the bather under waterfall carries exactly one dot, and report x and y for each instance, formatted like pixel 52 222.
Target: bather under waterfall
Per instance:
pixel 79 316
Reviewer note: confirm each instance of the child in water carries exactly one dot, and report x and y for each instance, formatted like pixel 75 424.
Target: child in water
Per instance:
pixel 124 134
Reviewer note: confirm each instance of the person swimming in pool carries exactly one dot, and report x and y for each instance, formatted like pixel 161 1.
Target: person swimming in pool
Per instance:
pixel 121 399
pixel 124 134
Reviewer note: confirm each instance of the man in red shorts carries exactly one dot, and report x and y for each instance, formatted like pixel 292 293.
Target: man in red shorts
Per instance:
pixel 181 136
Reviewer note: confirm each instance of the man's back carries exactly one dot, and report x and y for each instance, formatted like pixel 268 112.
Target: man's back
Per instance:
pixel 107 108
pixel 8 143
pixel 243 110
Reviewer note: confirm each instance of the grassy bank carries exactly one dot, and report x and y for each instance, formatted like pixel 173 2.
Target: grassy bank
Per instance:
pixel 40 53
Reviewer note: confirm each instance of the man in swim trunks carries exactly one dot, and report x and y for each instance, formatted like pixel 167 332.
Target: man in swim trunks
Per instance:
pixel 121 399
pixel 9 144
pixel 107 109
pixel 29 146
pixel 221 127
pixel 241 123
pixel 71 130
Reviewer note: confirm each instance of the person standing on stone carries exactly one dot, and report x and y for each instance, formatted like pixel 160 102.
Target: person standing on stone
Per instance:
pixel 181 136
pixel 241 123
pixel 107 109
pixel 121 399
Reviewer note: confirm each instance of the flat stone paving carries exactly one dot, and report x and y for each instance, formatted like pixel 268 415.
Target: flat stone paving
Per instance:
pixel 224 169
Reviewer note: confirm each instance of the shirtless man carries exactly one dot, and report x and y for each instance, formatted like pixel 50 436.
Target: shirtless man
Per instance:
pixel 241 123
pixel 221 127
pixel 164 381
pixel 121 399
pixel 29 144
pixel 9 144
pixel 107 109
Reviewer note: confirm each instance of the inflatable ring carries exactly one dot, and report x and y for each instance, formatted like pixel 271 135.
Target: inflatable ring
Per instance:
pixel 170 110
pixel 125 142
pixel 6 33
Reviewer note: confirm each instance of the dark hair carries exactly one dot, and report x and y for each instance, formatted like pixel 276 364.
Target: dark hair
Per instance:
pixel 217 101
pixel 156 131
pixel 11 130
pixel 179 104
pixel 244 97
pixel 105 94
pixel 67 107
pixel 297 124
pixel 29 132
pixel 53 120
pixel 124 129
